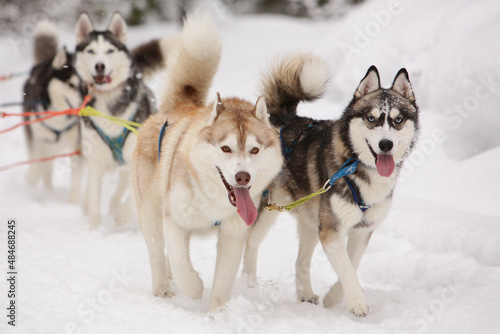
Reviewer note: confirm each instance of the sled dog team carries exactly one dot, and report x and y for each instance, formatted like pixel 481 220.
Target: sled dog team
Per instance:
pixel 208 164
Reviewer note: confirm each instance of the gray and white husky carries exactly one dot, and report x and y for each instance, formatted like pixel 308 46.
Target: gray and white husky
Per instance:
pixel 53 85
pixel 378 129
pixel 115 77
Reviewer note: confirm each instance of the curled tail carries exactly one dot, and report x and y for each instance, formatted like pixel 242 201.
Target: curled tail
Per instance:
pixel 45 46
pixel 290 80
pixel 194 63
pixel 151 57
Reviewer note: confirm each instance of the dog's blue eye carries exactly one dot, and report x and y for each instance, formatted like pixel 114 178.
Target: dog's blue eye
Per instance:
pixel 371 119
pixel 398 120
pixel 90 51
pixel 110 51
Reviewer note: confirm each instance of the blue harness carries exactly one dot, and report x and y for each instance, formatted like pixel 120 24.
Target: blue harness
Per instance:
pixel 58 133
pixel 115 144
pixel 349 167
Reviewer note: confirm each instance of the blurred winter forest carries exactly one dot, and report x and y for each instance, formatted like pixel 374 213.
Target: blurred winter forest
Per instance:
pixel 138 12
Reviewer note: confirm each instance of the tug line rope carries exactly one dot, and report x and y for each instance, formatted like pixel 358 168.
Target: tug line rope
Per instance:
pixel 34 161
pixel 82 111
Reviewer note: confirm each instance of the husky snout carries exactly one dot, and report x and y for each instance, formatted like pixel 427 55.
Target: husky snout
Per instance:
pixel 385 145
pixel 385 160
pixel 99 68
pixel 242 178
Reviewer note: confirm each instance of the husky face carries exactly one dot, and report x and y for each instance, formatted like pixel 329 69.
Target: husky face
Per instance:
pixel 238 150
pixel 65 88
pixel 56 84
pixel 102 58
pixel 383 123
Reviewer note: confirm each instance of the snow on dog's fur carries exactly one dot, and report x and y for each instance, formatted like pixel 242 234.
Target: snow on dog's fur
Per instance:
pixel 215 161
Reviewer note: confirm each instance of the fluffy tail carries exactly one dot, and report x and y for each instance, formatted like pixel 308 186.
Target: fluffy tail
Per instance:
pixel 194 63
pixel 45 47
pixel 290 80
pixel 151 57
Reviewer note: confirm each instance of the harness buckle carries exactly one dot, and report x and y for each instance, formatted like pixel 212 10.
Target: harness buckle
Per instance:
pixel 327 185
pixel 273 206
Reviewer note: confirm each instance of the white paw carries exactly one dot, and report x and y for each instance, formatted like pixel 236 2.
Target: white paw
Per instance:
pixel 32 178
pixel 192 285
pixel 163 291
pixel 94 223
pixel 310 298
pixel 334 296
pixel 358 307
pixel 122 217
pixel 74 197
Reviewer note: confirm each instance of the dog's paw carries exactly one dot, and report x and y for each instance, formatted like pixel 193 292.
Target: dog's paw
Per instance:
pixel 31 178
pixel 164 292
pixel 358 307
pixel 94 223
pixel 121 218
pixel 191 286
pixel 312 298
pixel 334 296
pixel 74 197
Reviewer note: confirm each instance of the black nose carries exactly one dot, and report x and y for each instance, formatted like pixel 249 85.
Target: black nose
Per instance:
pixel 242 178
pixel 99 67
pixel 385 145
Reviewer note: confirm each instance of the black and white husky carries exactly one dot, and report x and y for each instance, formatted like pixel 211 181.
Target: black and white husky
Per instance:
pixel 377 130
pixel 53 85
pixel 115 78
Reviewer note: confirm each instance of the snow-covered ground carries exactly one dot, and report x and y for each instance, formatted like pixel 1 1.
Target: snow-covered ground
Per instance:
pixel 432 267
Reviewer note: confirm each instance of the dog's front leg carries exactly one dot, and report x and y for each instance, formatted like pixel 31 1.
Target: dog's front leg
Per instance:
pixel 95 174
pixel 256 234
pixel 123 184
pixel 333 232
pixel 308 239
pixel 357 242
pixel 356 245
pixel 177 242
pixel 232 238
pixel 76 179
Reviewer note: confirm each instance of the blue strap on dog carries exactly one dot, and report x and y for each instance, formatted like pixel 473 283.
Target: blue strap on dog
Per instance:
pixel 58 133
pixel 160 138
pixel 115 144
pixel 357 196
pixel 288 150
pixel 349 167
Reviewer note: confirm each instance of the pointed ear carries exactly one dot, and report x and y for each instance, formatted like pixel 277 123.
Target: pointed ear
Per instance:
pixel 369 84
pixel 216 110
pixel 118 27
pixel 60 59
pixel 402 85
pixel 260 111
pixel 83 27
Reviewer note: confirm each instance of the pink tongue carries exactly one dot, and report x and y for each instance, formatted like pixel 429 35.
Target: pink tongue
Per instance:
pixel 385 164
pixel 245 206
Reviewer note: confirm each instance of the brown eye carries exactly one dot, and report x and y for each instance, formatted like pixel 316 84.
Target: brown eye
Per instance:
pixel 226 149
pixel 254 150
